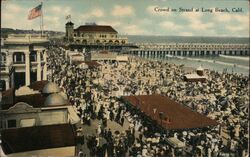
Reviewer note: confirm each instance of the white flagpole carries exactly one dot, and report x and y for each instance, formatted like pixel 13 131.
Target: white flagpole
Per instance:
pixel 40 23
pixel 42 18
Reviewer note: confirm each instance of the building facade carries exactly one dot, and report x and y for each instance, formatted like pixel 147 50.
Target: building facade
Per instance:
pixel 93 34
pixel 23 60
pixel 39 121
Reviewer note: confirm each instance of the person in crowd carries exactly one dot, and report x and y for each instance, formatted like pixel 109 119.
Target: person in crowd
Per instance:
pixel 223 97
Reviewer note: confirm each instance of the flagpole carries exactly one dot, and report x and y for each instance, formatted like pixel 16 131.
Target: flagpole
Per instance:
pixel 40 23
pixel 42 19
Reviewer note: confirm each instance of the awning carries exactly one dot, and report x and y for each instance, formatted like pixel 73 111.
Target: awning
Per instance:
pixel 174 142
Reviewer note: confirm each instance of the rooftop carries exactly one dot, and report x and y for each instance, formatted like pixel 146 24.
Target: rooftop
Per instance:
pixel 26 39
pixel 175 115
pixel 38 85
pixel 36 99
pixel 37 138
pixel 90 64
pixel 96 28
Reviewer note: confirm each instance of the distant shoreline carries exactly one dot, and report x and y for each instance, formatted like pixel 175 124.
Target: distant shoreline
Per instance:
pixel 188 68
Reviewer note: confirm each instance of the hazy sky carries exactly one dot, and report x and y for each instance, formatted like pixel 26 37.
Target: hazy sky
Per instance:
pixel 140 17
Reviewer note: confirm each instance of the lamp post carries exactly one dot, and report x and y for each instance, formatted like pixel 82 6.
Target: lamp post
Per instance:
pixel 161 115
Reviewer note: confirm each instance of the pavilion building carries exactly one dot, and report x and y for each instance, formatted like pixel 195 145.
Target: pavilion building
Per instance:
pixel 93 34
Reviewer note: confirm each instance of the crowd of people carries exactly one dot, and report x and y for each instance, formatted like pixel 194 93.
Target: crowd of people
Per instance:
pixel 95 95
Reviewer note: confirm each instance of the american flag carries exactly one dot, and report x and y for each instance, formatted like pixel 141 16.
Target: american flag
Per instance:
pixel 68 17
pixel 35 12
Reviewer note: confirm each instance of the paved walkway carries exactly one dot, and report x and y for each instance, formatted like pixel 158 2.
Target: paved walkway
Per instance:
pixel 92 130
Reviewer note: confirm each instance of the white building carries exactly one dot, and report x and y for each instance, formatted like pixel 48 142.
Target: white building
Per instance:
pixel 39 121
pixel 93 34
pixel 23 60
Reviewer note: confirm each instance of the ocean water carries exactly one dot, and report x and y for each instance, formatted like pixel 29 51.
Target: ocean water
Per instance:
pixel 218 63
pixel 187 39
pixel 233 64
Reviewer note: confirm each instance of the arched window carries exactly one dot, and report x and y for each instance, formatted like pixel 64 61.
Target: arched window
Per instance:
pixel 18 58
pixel 123 41
pixel 110 41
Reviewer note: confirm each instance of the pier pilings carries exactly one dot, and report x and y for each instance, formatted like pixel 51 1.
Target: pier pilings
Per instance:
pixel 163 50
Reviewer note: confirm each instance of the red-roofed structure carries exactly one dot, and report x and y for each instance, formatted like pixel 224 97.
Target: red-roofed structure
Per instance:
pixel 168 113
pixel 93 34
pixel 95 28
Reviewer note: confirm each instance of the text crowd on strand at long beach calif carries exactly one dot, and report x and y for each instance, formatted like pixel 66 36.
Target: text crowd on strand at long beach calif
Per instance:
pixel 209 10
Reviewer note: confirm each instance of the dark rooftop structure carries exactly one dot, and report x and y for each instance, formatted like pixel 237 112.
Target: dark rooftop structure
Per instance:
pixel 36 100
pixel 37 138
pixel 168 113
pixel 96 28
pixel 69 23
pixel 38 85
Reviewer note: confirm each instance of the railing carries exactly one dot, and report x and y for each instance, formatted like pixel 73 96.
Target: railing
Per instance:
pixel 27 35
pixel 19 62
pixel 190 45
pixel 26 38
pixel 100 38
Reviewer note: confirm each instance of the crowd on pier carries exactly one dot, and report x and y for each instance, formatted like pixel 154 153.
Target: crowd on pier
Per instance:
pixel 95 95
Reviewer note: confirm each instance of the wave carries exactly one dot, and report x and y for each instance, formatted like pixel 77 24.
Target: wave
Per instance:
pixel 236 57
pixel 213 61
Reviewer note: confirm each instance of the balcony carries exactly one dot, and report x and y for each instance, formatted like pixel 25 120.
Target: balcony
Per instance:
pixel 26 39
pixel 19 62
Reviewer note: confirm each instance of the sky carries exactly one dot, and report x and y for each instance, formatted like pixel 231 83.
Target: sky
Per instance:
pixel 135 17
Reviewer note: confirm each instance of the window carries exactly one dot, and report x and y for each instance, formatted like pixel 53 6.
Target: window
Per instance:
pixel 2 83
pixel 53 117
pixel 12 123
pixel 18 58
pixel 27 122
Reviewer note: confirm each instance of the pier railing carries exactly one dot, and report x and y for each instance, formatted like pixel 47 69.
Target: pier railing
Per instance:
pixel 189 49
